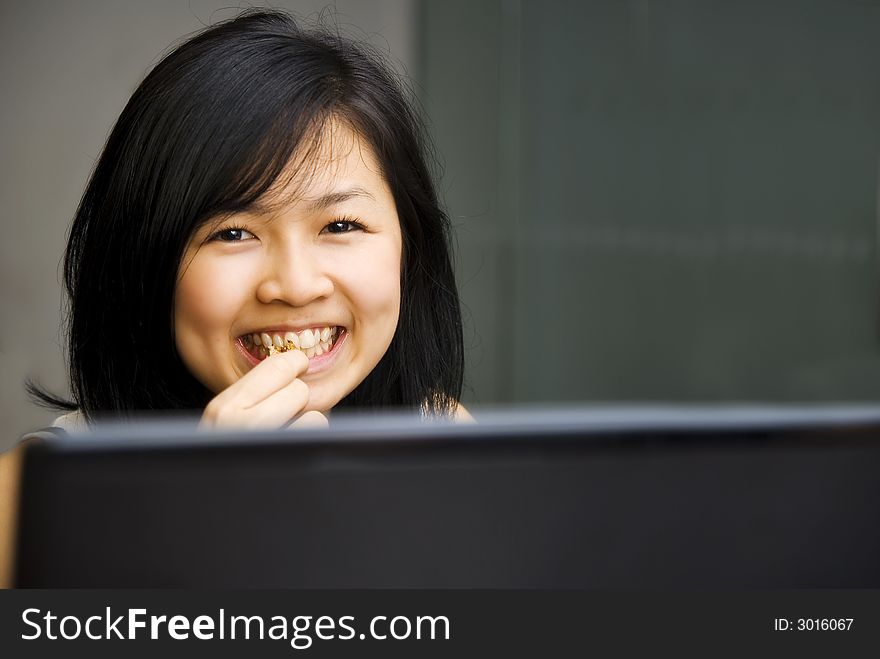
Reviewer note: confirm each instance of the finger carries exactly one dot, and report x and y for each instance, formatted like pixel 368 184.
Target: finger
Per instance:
pixel 275 411
pixel 311 419
pixel 280 408
pixel 269 376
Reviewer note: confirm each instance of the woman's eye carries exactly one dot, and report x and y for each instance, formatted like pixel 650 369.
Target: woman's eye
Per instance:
pixel 343 226
pixel 232 235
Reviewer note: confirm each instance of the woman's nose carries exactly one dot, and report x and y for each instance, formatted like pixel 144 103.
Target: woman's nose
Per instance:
pixel 295 276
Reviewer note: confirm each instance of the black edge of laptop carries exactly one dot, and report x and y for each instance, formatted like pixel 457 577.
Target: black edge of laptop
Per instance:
pixel 608 498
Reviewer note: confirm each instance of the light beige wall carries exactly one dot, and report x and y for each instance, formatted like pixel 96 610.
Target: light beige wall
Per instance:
pixel 66 71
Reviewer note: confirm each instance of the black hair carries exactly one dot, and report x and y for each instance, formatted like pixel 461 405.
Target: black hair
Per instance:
pixel 207 132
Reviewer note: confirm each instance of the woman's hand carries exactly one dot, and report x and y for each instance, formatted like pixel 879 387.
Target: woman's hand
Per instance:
pixel 270 395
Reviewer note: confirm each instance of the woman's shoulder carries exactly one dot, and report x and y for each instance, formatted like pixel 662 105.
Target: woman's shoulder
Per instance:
pixel 461 414
pixel 72 422
pixel 451 410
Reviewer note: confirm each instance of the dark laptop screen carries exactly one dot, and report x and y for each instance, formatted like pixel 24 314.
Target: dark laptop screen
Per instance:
pixel 620 498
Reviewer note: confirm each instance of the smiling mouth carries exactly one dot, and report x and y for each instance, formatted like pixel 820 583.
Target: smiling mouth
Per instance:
pixel 313 342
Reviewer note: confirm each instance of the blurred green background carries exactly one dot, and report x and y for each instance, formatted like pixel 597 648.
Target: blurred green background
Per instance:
pixel 664 201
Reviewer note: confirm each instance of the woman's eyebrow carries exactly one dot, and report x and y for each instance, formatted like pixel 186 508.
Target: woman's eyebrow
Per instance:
pixel 336 197
pixel 261 208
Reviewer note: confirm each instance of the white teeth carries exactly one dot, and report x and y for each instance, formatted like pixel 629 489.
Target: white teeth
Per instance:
pixel 307 340
pixel 311 341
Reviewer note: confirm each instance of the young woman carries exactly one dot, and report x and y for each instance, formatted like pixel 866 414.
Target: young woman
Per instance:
pixel 261 241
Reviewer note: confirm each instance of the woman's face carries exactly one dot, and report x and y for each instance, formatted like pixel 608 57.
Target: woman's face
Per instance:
pixel 321 255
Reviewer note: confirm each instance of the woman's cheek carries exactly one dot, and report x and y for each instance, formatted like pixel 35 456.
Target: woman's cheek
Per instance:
pixel 208 300
pixel 205 297
pixel 375 284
